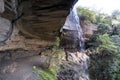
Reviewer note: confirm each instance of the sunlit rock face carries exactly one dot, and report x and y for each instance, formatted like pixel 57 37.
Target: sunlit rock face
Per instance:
pixel 43 18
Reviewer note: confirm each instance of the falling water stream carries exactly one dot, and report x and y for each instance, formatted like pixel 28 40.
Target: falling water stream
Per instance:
pixel 76 67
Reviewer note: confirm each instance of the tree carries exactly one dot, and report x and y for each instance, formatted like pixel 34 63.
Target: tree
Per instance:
pixel 103 18
pixel 87 16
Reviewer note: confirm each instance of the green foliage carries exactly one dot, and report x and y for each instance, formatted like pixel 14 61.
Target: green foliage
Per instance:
pixel 103 28
pixel 102 42
pixel 93 43
pixel 100 67
pixel 107 20
pixel 118 29
pixel 115 67
pixel 49 74
pixel 55 61
pixel 86 15
pixel 116 40
pixel 99 18
pixel 55 54
pixel 105 67
pixel 102 18
pixel 106 43
pixel 57 42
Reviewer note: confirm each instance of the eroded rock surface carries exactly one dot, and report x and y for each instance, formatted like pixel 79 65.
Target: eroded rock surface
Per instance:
pixel 22 68
pixel 75 68
pixel 41 18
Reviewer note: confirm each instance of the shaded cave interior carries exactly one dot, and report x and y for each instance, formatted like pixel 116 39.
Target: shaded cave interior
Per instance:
pixel 40 19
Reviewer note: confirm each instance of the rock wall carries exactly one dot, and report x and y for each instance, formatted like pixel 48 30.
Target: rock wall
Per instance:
pixel 39 25
pixel 1 6
pixel 42 18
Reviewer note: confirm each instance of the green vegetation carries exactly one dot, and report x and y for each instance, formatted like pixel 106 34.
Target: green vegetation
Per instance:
pixel 103 18
pixel 103 28
pixel 87 16
pixel 104 44
pixel 55 54
pixel 47 74
pixel 55 61
pixel 50 74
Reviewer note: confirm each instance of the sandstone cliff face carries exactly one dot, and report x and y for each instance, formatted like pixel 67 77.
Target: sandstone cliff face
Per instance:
pixel 42 18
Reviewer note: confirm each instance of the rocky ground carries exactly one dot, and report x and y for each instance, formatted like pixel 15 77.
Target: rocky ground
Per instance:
pixel 75 68
pixel 22 68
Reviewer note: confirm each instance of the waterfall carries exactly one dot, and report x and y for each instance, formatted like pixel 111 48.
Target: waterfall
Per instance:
pixel 75 68
pixel 73 23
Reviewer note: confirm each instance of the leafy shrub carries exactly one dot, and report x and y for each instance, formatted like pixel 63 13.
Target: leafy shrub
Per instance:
pixel 101 43
pixel 118 29
pixel 116 40
pixel 106 43
pixel 103 28
pixel 50 74
pixel 115 67
pixel 86 15
pixel 103 60
pixel 47 74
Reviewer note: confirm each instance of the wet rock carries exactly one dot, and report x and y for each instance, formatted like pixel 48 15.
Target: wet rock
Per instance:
pixel 75 68
pixel 88 30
